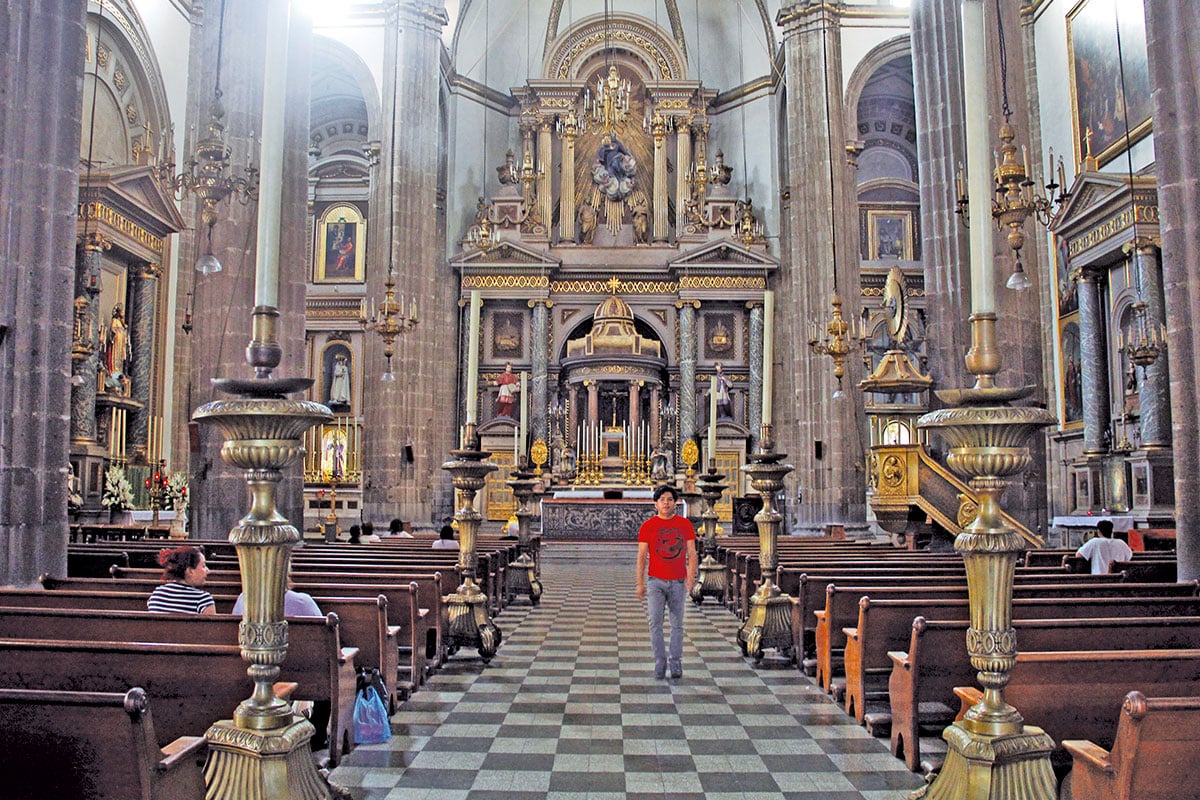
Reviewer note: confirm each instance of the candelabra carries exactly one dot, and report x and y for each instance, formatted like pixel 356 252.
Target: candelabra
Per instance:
pixel 712 581
pixel 689 455
pixel 156 487
pixel 521 575
pixel 389 322
pixel 838 341
pixel 1146 340
pixel 610 106
pixel 208 175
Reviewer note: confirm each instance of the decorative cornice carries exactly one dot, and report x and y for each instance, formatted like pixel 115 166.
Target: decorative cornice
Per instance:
pixel 505 282
pixel 120 223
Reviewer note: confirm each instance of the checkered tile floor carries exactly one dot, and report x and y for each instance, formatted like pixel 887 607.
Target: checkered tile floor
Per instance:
pixel 569 710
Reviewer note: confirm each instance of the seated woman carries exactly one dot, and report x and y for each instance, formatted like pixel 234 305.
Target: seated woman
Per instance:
pixel 184 573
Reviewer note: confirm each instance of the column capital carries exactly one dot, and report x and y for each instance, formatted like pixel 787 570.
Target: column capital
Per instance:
pixel 540 301
pixel 94 240
pixel 685 303
pixel 430 17
pixel 796 17
pixel 1142 244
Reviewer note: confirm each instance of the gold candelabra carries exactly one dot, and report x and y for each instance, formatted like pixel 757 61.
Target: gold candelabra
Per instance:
pixel 389 321
pixel 1146 340
pixel 156 487
pixel 838 340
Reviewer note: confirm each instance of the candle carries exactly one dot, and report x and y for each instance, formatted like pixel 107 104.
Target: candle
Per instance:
pixel 516 446
pixel 270 191
pixel 768 354
pixel 473 356
pixel 979 182
pixel 712 420
pixel 524 409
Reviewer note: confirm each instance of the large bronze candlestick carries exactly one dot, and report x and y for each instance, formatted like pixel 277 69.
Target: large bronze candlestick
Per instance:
pixel 465 612
pixel 712 581
pixel 769 623
pixel 521 575
pixel 992 754
pixel 263 752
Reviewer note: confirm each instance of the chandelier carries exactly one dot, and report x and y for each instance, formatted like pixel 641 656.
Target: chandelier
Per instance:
pixel 389 321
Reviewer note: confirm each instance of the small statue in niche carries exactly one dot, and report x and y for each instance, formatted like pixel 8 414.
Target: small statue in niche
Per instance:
pixel 587 223
pixel 639 207
pixel 507 173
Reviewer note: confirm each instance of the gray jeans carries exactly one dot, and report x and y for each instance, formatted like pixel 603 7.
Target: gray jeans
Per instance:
pixel 672 595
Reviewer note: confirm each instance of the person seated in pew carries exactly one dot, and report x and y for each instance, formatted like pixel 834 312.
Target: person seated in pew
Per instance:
pixel 355 535
pixel 368 533
pixel 396 528
pixel 184 575
pixel 1102 549
pixel 445 540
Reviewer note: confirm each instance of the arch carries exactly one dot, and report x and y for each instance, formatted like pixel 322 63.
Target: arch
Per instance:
pixel 864 71
pixel 663 58
pixel 347 78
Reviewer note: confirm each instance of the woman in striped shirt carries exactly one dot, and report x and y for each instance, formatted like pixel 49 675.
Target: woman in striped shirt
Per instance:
pixel 184 572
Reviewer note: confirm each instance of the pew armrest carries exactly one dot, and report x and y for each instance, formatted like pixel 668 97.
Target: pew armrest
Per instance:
pixel 348 655
pixel 1089 755
pixel 285 689
pixel 182 749
pixel 900 660
pixel 968 696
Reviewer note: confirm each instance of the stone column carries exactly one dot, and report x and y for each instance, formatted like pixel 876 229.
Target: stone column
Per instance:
pixel 1093 364
pixel 398 414
pixel 941 146
pixel 86 362
pixel 593 412
pixel 683 170
pixel 660 179
pixel 566 191
pixel 635 416
pixel 573 415
pixel 539 389
pixel 1171 30
pixel 545 173
pixel 1154 392
pixel 655 417
pixel 754 412
pixel 142 316
pixel 819 434
pixel 687 370
pixel 40 164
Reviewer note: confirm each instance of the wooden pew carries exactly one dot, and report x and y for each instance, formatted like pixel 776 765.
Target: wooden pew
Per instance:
pixel 1073 693
pixel 322 669
pixel 923 677
pixel 842 607
pixel 1153 756
pixel 192 685
pixel 92 746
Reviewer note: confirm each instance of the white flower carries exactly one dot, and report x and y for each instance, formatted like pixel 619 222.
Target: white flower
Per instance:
pixel 118 492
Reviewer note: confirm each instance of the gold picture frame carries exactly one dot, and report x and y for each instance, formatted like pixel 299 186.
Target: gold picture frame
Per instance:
pixel 889 235
pixel 1097 95
pixel 340 254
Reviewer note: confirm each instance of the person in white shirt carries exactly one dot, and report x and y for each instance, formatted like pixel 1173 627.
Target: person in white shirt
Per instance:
pixel 1102 550
pixel 446 539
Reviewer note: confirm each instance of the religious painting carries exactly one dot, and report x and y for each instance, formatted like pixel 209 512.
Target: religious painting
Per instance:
pixel 333 453
pixel 337 369
pixel 1068 297
pixel 719 336
pixel 508 339
pixel 1072 374
pixel 340 251
pixel 1102 37
pixel 889 235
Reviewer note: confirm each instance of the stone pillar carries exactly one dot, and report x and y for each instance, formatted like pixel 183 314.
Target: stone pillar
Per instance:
pixel 40 164
pixel 1154 392
pixel 86 361
pixel 941 146
pixel 397 414
pixel 660 179
pixel 687 370
pixel 142 339
pixel 1171 30
pixel 683 171
pixel 545 173
pixel 655 417
pixel 539 388
pixel 573 415
pixel 566 191
pixel 820 435
pixel 593 411
pixel 635 416
pixel 1093 364
pixel 754 412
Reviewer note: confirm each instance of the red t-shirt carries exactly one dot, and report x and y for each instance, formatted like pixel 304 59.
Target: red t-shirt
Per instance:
pixel 668 540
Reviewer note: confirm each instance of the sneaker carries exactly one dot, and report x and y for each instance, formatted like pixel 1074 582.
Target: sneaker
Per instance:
pixel 660 671
pixel 676 670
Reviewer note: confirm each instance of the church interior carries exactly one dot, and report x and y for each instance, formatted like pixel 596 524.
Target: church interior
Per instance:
pixel 896 294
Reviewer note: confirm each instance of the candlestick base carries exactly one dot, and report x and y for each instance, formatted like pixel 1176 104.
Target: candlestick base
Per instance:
pixel 1012 765
pixel 713 580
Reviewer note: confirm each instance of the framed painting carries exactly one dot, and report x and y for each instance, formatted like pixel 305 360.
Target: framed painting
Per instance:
pixel 1101 102
pixel 508 334
pixel 340 254
pixel 1072 374
pixel 889 235
pixel 1068 298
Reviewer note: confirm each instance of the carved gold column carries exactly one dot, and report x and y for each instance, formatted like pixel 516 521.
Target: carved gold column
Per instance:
pixel 566 179
pixel 683 166
pixel 769 623
pixel 659 130
pixel 713 580
pixel 465 613
pixel 545 150
pixel 992 753
pixel 263 752
pixel 521 574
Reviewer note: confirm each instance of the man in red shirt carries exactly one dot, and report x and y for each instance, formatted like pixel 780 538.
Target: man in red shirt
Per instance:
pixel 667 546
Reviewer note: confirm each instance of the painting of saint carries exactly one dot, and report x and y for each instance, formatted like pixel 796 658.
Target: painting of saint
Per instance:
pixel 1072 377
pixel 339 250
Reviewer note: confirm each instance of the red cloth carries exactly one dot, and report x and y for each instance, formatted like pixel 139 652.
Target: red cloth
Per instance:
pixel 668 539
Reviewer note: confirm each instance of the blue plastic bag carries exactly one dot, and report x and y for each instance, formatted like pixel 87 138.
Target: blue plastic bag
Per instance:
pixel 371 724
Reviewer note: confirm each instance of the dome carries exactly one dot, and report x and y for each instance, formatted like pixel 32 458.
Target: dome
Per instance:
pixel 614 309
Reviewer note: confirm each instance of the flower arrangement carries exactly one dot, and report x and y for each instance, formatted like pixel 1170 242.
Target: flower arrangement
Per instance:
pixel 118 491
pixel 176 495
